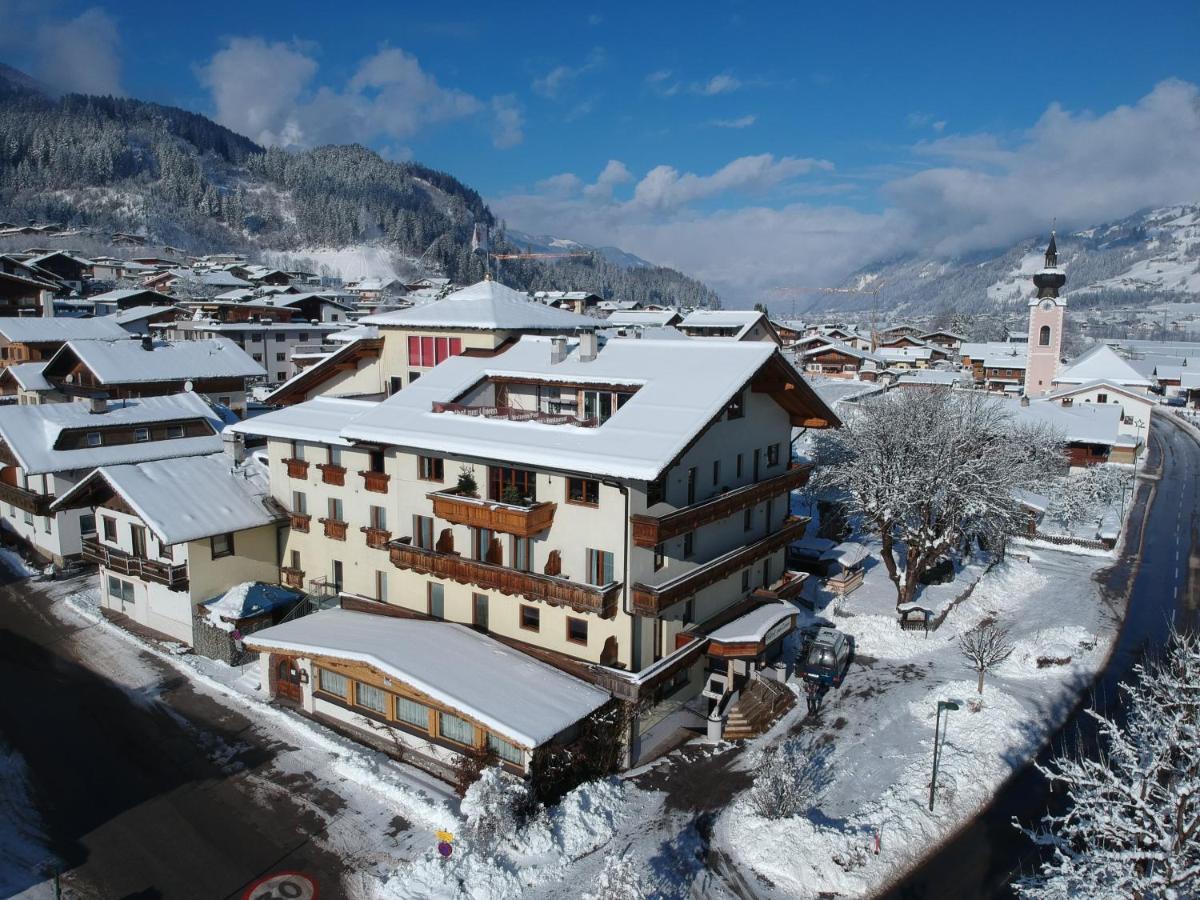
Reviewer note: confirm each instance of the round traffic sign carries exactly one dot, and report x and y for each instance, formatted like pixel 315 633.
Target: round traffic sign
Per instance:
pixel 282 886
pixel 445 848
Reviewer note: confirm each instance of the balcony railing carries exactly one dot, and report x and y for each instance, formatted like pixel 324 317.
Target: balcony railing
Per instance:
pixel 331 474
pixel 296 468
pixel 513 414
pixel 601 599
pixel 300 521
pixel 508 518
pixel 174 577
pixel 293 578
pixel 650 531
pixel 376 482
pixel 25 499
pixel 334 528
pixel 651 600
pixel 377 538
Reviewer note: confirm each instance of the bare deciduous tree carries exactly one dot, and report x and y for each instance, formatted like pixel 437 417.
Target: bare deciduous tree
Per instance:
pixel 984 646
pixel 928 468
pixel 1133 825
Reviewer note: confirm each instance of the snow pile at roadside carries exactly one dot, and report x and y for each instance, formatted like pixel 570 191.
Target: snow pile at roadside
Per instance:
pixel 12 561
pixel 584 821
pixel 23 841
pixel 230 604
pixel 1040 654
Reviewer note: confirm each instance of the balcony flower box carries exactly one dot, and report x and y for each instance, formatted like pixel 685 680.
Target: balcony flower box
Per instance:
pixel 293 578
pixel 507 518
pixel 331 474
pixel 377 538
pixel 334 528
pixel 376 482
pixel 300 521
pixel 296 468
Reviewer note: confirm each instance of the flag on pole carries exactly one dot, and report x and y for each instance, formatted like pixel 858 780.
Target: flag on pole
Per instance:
pixel 479 239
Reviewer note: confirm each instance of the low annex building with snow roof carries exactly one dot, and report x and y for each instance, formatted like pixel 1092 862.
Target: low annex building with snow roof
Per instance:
pixel 174 533
pixel 45 449
pixel 729 324
pixel 600 506
pixel 25 339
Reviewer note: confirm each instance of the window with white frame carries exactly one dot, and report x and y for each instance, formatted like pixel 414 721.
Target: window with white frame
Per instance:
pixel 455 729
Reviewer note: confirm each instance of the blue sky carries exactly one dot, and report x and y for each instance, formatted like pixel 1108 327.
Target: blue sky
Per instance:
pixel 802 135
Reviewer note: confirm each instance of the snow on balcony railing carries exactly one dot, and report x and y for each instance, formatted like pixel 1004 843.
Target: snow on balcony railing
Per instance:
pixel 513 414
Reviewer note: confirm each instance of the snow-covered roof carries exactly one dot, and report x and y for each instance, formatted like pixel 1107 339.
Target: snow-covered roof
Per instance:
pixel 1036 502
pixel 642 317
pixel 1071 390
pixel 40 329
pixel 137 313
pixel 189 498
pixel 931 376
pixel 123 294
pixel 1102 362
pixel 510 693
pixel 31 432
pixel 1084 423
pixel 754 625
pixel 223 279
pixel 742 319
pixel 985 349
pixel 320 420
pixel 235 295
pixel 29 376
pixel 904 354
pixel 846 349
pixel 487 305
pixel 1189 380
pixel 125 361
pixel 250 598
pixel 835 390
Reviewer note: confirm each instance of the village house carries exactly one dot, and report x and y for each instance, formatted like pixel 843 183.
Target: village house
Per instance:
pixel 26 339
pixel 71 270
pixel 626 320
pixel 947 340
pixel 126 298
pixel 1136 406
pixel 1091 433
pixel 24 384
pixel 602 507
pixel 910 357
pixel 45 450
pixel 270 344
pixel 1101 363
pixel 838 360
pixel 173 533
pixel 729 324
pixel 144 367
pixel 22 292
pixel 138 320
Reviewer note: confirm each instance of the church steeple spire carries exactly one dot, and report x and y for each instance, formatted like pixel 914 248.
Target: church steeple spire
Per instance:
pixel 1050 278
pixel 1052 253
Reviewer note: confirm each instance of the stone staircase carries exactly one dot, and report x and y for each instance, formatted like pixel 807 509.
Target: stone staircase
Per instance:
pixel 759 706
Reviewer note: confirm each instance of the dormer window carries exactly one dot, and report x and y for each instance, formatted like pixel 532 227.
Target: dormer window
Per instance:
pixel 94 439
pixel 141 435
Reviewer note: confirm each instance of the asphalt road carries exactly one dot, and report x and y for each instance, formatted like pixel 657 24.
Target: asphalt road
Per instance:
pixel 133 801
pixel 1156 571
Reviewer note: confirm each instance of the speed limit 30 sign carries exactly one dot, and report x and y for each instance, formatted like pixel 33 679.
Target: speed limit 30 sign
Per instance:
pixel 282 886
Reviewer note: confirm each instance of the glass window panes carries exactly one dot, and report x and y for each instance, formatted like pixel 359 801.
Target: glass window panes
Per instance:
pixel 370 697
pixel 455 729
pixel 506 751
pixel 412 713
pixel 332 682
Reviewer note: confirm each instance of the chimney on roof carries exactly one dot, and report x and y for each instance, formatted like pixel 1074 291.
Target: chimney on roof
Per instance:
pixel 588 346
pixel 234 446
pixel 558 349
pixel 47 299
pixel 147 342
pixel 98 404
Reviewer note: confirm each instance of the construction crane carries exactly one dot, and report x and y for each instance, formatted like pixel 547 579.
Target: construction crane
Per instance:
pixel 535 255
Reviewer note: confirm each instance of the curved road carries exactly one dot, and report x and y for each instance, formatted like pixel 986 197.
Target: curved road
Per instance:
pixel 1156 571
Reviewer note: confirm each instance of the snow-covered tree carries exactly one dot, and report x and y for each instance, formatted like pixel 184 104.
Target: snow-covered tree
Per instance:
pixel 789 779
pixel 984 646
pixel 927 468
pixel 1133 825
pixel 497 804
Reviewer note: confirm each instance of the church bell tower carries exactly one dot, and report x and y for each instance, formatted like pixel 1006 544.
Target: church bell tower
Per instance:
pixel 1046 313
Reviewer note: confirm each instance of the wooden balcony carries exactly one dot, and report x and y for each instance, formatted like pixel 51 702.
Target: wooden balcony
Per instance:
pixel 331 474
pixel 334 528
pixel 25 499
pixel 650 531
pixel 293 578
pixel 377 538
pixel 523 521
pixel 300 521
pixel 296 468
pixel 788 587
pixel 546 588
pixel 651 600
pixel 376 482
pixel 174 577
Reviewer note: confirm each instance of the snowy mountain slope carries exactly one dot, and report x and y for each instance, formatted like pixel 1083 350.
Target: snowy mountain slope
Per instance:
pixel 545 243
pixel 1151 256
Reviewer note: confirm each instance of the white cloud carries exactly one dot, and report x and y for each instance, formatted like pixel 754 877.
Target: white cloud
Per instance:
pixel 719 84
pixel 662 83
pixel 739 122
pixel 977 192
pixel 612 176
pixel 79 55
pixel 264 91
pixel 552 83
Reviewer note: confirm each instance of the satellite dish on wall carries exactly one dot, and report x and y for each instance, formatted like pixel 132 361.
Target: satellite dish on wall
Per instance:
pixel 187 386
pixel 70 379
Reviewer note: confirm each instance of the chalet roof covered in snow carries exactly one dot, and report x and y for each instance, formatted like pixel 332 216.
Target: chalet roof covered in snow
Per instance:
pixel 32 432
pixel 125 293
pixel 1070 390
pixel 320 420
pixel 42 330
pixel 504 690
pixel 138 313
pixel 245 600
pixel 1102 362
pixel 126 361
pixel 682 386
pixel 828 344
pixel 29 376
pixel 741 319
pixel 485 306
pixel 1082 423
pixel 187 499
pixel 754 625
pixel 642 317
pixel 977 350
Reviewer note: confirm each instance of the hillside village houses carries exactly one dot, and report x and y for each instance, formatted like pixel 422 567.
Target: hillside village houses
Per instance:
pixel 627 500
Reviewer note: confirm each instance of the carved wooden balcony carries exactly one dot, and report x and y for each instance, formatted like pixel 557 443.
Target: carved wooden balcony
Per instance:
pixel 334 528
pixel 551 589
pixel 175 577
pixel 300 521
pixel 377 538
pixel 650 531
pixel 293 578
pixel 651 600
pixel 25 499
pixel 508 518
pixel 296 468
pixel 331 474
pixel 376 482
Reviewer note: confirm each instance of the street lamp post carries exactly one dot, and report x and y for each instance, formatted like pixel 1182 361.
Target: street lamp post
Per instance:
pixel 948 706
